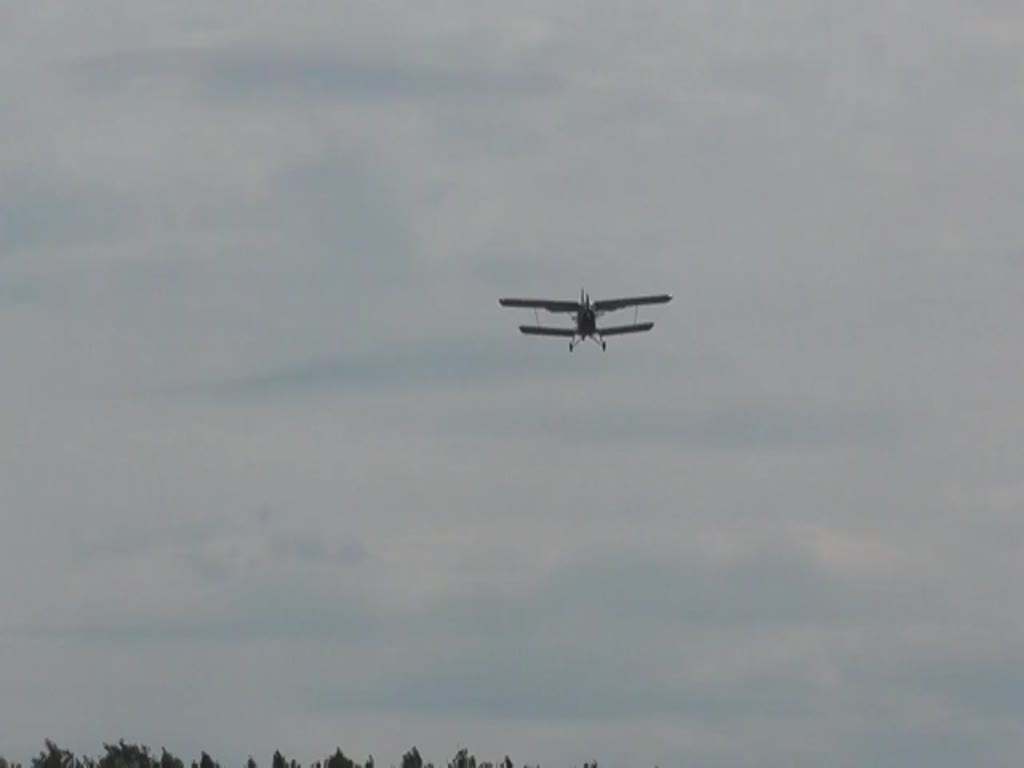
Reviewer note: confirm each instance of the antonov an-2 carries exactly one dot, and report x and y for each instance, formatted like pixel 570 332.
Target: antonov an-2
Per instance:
pixel 586 312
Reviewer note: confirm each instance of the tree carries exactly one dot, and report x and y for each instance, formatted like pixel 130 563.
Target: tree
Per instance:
pixel 279 761
pixel 412 759
pixel 53 757
pixel 339 760
pixel 122 755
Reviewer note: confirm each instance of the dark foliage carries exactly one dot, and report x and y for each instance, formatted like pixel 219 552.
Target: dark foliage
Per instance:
pixel 125 755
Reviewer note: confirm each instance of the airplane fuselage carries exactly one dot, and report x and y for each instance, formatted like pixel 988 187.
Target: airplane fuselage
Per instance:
pixel 586 321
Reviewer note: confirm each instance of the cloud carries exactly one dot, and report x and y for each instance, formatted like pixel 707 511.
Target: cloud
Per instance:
pixel 643 639
pixel 37 208
pixel 243 73
pixel 413 365
pixel 489 655
pixel 748 427
pixel 14 293
pixel 271 449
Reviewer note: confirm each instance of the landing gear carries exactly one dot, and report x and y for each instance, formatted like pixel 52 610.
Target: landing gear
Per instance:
pixel 577 341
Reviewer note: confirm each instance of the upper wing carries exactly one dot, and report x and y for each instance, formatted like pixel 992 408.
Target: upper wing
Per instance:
pixel 618 330
pixel 550 306
pixel 540 330
pixel 609 305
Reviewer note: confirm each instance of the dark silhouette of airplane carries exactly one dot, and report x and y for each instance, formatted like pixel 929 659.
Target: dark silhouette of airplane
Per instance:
pixel 586 312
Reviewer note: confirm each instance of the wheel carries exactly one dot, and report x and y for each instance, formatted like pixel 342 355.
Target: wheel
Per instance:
pixel 570 346
pixel 604 345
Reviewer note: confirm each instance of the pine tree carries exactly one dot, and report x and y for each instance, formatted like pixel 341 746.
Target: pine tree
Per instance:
pixel 53 757
pixel 339 760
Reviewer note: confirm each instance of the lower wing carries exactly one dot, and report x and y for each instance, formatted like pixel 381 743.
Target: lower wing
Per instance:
pixel 618 330
pixel 540 330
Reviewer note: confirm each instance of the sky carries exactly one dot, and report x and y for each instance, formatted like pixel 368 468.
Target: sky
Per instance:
pixel 276 471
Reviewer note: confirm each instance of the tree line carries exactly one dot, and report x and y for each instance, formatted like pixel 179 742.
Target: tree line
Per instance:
pixel 122 755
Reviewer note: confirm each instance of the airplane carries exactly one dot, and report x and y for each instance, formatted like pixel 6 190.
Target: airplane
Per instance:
pixel 586 312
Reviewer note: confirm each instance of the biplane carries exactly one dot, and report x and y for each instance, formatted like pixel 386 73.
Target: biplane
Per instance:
pixel 586 313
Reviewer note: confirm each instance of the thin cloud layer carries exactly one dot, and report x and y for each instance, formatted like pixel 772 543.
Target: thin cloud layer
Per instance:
pixel 278 473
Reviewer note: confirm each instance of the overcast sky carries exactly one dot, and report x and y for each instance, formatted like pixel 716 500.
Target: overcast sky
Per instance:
pixel 276 472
